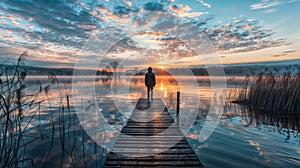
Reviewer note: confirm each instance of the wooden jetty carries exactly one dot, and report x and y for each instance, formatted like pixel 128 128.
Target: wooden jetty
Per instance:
pixel 155 143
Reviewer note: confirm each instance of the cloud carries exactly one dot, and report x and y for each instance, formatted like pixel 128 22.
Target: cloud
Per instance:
pixel 48 30
pixel 49 21
pixel 204 3
pixel 184 11
pixel 154 6
pixel 241 35
pixel 147 33
pixel 263 4
pixel 56 30
pixel 270 11
pixel 122 10
pixel 124 45
pixel 177 48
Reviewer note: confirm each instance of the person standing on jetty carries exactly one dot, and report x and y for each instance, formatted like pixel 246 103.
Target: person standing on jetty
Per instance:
pixel 150 82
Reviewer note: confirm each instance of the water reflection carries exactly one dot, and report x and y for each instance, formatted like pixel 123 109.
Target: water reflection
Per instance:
pixel 264 139
pixel 105 80
pixel 283 122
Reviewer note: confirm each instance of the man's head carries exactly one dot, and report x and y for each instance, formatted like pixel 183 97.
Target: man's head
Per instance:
pixel 149 69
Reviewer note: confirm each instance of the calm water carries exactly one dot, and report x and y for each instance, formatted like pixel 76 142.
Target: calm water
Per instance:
pixel 243 138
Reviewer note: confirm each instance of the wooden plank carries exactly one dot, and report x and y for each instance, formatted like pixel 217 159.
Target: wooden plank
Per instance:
pixel 151 150
pixel 174 166
pixel 161 156
pixel 153 163
pixel 174 149
pixel 149 142
pixel 145 145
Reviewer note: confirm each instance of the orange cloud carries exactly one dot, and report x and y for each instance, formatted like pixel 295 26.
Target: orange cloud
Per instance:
pixel 184 11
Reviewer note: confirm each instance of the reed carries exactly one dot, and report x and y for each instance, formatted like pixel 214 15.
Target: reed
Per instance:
pixel 17 110
pixel 270 92
pixel 61 142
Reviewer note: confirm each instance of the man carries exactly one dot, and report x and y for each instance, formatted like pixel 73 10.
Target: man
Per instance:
pixel 150 82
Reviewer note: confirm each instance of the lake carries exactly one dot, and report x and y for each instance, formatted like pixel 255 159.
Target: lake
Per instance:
pixel 243 137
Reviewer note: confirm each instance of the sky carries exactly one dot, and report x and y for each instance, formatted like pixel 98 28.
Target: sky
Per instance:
pixel 159 33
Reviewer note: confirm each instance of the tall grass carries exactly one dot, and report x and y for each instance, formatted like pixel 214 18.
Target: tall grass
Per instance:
pixel 60 142
pixel 17 109
pixel 270 92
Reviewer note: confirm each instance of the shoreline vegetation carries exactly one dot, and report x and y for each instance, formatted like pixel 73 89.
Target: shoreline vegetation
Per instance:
pixel 34 137
pixel 271 92
pixel 272 98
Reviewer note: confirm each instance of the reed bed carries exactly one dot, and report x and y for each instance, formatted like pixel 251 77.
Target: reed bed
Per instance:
pixel 30 137
pixel 270 92
pixel 15 104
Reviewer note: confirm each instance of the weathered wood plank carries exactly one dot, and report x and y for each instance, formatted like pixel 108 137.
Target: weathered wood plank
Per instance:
pixel 153 163
pixel 174 149
pixel 119 145
pixel 161 156
pixel 149 142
